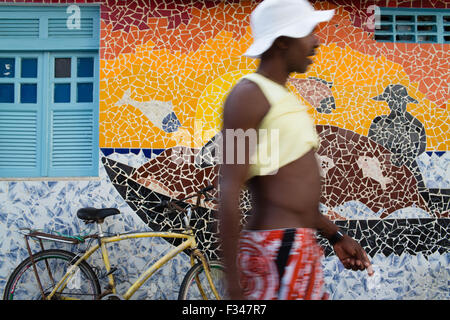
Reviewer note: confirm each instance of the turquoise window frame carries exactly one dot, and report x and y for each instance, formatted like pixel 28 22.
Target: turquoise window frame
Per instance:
pixel 45 48
pixel 388 29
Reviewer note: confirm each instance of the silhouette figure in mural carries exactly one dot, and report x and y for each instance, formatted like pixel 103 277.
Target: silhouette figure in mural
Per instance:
pixel 400 132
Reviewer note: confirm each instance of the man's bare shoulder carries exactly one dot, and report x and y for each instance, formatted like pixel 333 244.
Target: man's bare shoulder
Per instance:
pixel 245 106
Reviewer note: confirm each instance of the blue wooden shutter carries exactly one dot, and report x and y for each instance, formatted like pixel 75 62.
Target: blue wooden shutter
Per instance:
pixel 38 136
pixel 20 114
pixel 73 148
pixel 415 25
pixel 47 28
pixel 19 143
pixel 446 27
pixel 73 118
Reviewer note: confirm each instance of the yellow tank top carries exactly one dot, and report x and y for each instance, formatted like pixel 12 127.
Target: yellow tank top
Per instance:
pixel 286 133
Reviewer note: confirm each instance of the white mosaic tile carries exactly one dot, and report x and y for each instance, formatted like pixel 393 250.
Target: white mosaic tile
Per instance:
pixel 435 169
pixel 404 277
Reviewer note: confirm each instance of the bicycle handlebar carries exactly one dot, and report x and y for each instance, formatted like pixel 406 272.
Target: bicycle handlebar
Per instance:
pixel 198 193
pixel 210 187
pixel 188 210
pixel 203 191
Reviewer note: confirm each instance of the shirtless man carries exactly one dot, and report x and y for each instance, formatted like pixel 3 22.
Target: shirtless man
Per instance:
pixel 276 255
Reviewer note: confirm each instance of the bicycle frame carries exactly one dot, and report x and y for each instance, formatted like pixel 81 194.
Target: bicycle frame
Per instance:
pixel 103 240
pixel 188 242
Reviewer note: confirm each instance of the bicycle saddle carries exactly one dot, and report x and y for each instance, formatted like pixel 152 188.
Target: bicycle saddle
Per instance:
pixel 97 215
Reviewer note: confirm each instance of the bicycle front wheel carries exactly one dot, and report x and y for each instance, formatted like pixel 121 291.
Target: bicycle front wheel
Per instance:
pixel 196 286
pixel 51 266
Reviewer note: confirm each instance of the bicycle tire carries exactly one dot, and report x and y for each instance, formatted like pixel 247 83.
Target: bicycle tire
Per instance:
pixel 23 285
pixel 189 289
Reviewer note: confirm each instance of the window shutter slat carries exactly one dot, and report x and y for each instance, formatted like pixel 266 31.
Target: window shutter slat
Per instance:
pixel 22 28
pixel 49 28
pixel 18 143
pixel 57 28
pixel 72 145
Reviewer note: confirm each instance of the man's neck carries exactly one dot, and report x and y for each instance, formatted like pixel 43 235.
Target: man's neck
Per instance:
pixel 273 71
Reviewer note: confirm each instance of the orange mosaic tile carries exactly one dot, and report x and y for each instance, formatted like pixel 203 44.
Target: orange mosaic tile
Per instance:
pixel 177 63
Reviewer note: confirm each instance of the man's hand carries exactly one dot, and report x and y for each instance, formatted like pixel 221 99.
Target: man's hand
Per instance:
pixel 352 255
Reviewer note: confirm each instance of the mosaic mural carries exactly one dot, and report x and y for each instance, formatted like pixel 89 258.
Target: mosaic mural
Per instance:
pixel 381 109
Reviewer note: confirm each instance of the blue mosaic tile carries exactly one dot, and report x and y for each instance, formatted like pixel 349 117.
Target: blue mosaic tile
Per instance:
pixel 421 272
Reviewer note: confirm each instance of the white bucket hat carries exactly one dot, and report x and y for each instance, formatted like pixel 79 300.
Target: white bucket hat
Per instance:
pixel 274 18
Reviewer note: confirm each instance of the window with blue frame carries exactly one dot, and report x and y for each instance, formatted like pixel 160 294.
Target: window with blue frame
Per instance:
pixel 49 87
pixel 413 25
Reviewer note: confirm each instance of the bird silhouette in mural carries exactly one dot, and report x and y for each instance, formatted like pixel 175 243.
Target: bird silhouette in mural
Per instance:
pixel 160 113
pixel 317 92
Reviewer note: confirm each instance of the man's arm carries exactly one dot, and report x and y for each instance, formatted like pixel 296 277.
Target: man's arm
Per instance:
pixel 351 254
pixel 244 109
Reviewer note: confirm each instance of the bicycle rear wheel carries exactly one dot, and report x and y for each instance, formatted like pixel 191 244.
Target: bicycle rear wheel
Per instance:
pixel 52 265
pixel 195 285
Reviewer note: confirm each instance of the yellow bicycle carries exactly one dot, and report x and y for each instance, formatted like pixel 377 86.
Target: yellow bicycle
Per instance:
pixel 62 275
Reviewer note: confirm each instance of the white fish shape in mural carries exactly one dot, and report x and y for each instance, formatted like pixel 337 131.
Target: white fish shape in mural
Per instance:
pixel 371 168
pixel 160 113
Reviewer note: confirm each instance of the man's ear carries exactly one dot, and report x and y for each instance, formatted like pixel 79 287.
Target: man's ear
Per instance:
pixel 282 42
pixel 279 44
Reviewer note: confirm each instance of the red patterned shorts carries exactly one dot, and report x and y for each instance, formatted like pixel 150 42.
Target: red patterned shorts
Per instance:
pixel 282 264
